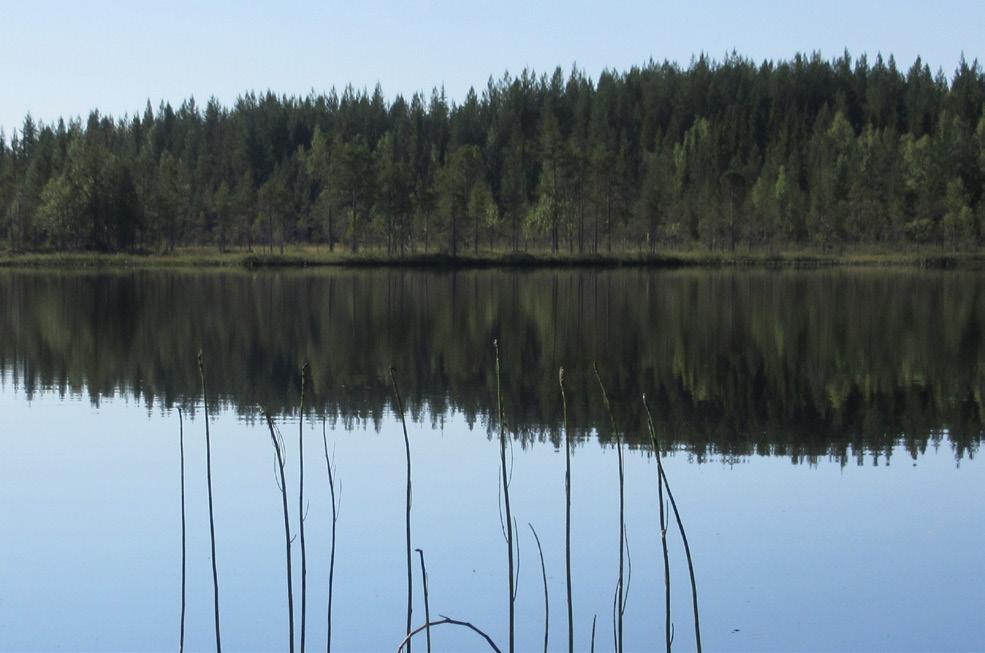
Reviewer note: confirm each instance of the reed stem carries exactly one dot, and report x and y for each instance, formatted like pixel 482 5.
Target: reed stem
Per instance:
pixel 410 576
pixel 567 512
pixel 506 501
pixel 427 605
pixel 208 475
pixel 301 507
pixel 666 556
pixel 336 504
pixel 620 600
pixel 282 483
pixel 680 524
pixel 543 574
pixel 181 449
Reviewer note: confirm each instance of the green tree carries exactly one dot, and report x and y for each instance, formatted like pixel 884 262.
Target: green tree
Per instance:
pixel 352 171
pixel 958 222
pixel 458 177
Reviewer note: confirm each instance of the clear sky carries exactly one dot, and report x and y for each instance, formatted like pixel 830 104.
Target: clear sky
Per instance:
pixel 65 58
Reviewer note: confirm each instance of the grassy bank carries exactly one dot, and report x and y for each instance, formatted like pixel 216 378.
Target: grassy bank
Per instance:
pixel 297 257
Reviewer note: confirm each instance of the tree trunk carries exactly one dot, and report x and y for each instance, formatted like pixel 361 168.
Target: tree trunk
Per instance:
pixel 595 241
pixel 731 221
pixel 453 245
pixel 554 221
pixel 653 233
pixel 331 234
pixel 516 231
pixel 352 222
pixel 581 225
pixel 608 221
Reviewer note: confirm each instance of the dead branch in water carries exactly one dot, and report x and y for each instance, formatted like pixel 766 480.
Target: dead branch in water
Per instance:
pixel 451 622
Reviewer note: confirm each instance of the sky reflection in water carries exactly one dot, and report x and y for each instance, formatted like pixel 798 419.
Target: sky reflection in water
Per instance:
pixel 789 557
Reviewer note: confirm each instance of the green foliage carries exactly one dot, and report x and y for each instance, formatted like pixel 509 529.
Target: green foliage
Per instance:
pixel 715 155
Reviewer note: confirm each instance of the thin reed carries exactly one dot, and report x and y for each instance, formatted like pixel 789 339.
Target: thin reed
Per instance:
pixel 282 485
pixel 181 450
pixel 427 603
pixel 301 507
pixel 410 571
pixel 508 523
pixel 547 601
pixel 620 603
pixel 336 505
pixel 506 502
pixel 567 512
pixel 680 523
pixel 208 476
pixel 666 556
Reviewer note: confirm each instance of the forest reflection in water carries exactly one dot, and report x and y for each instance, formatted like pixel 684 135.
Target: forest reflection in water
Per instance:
pixel 847 365
pixel 797 363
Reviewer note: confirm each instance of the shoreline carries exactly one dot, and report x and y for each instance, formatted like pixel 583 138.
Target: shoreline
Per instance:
pixel 309 257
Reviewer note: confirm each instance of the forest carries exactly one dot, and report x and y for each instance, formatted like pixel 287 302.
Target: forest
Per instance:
pixel 719 155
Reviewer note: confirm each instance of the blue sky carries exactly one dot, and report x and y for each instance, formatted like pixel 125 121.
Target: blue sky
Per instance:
pixel 62 59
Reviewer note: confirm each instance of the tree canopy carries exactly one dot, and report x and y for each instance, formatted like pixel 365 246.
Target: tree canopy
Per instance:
pixel 719 154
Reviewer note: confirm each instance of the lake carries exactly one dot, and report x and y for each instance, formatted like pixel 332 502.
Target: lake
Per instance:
pixel 820 430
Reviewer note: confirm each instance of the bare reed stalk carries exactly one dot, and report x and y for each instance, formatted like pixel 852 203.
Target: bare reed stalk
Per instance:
pixel 592 649
pixel 543 574
pixel 410 571
pixel 666 556
pixel 427 605
pixel 680 523
pixel 181 449
pixel 506 500
pixel 615 618
pixel 336 504
pixel 620 595
pixel 450 622
pixel 567 512
pixel 208 475
pixel 301 507
pixel 282 484
pixel 629 571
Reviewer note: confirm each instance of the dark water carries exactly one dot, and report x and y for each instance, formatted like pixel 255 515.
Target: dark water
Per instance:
pixel 823 430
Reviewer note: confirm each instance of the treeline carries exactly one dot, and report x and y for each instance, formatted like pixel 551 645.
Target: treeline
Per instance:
pixel 716 154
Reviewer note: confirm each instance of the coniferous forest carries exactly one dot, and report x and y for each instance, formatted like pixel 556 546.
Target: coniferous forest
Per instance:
pixel 720 155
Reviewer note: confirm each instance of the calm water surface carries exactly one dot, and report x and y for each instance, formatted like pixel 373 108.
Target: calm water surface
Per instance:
pixel 823 427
